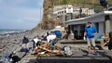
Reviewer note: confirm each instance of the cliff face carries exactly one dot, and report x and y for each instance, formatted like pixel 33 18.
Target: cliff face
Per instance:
pixel 45 12
pixel 45 19
pixel 48 5
pixel 47 22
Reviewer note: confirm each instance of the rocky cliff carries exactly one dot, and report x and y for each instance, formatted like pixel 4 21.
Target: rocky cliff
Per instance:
pixel 48 5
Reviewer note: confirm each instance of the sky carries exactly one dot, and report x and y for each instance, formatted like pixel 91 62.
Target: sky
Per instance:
pixel 20 14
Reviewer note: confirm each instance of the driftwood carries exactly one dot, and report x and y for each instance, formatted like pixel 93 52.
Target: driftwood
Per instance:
pixel 46 47
pixel 39 48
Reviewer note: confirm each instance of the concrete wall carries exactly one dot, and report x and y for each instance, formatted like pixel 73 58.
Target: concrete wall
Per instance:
pixel 101 28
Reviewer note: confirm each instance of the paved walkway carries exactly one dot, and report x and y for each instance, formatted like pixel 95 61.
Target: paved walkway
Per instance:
pixel 79 52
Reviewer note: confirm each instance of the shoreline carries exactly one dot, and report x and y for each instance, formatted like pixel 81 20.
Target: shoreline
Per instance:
pixel 12 41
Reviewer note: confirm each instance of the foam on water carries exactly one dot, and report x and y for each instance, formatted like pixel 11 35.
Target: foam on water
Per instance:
pixel 6 31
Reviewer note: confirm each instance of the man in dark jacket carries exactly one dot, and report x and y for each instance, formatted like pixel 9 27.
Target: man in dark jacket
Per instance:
pixel 110 41
pixel 104 4
pixel 25 42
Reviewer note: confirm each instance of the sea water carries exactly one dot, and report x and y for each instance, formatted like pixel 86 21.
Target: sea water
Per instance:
pixel 5 31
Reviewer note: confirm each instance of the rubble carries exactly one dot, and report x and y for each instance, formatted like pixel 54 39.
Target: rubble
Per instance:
pixel 46 49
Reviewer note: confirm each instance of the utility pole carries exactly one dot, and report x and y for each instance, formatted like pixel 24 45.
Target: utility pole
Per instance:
pixel 94 5
pixel 52 3
pixel 40 14
pixel 83 3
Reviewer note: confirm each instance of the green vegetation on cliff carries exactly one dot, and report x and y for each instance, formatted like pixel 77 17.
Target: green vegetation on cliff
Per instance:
pixel 90 2
pixel 82 3
pixel 48 5
pixel 63 2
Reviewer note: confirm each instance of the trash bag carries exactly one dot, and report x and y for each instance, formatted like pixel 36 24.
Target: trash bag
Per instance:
pixel 24 50
pixel 58 33
pixel 67 51
pixel 15 59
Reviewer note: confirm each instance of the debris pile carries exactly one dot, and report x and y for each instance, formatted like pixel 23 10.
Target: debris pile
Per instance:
pixel 46 50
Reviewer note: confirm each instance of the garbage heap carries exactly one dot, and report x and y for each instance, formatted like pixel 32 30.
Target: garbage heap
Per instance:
pixel 44 49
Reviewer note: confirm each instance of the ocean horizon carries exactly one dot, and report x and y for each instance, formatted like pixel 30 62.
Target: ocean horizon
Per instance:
pixel 5 31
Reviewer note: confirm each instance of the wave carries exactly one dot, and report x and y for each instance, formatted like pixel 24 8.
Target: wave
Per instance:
pixel 6 31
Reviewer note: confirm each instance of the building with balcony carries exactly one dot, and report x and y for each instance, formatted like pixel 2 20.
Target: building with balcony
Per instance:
pixel 68 12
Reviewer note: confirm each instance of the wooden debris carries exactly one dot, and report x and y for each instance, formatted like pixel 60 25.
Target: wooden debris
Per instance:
pixel 46 47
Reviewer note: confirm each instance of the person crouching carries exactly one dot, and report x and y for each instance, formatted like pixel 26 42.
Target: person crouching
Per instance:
pixel 51 38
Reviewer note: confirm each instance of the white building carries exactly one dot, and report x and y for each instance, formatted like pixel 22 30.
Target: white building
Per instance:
pixel 100 20
pixel 69 9
pixel 66 12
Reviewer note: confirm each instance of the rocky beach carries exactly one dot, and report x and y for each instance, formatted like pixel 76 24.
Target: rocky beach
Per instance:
pixel 69 31
pixel 13 41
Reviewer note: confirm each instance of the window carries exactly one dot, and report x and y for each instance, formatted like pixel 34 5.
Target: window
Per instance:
pixel 97 26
